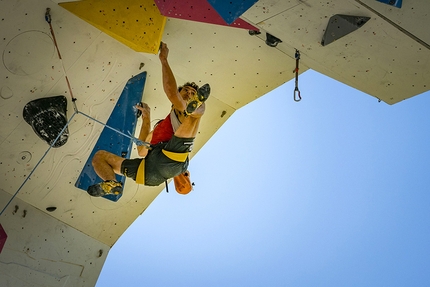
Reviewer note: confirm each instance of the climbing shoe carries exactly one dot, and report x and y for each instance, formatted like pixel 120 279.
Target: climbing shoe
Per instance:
pixel 201 96
pixel 105 188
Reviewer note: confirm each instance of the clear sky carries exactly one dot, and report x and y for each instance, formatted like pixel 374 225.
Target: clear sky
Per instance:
pixel 331 191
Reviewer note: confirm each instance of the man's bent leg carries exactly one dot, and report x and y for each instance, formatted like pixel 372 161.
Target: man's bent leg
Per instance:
pixel 106 164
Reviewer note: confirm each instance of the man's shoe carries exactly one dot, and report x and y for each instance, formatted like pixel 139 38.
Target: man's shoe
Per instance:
pixel 105 188
pixel 201 96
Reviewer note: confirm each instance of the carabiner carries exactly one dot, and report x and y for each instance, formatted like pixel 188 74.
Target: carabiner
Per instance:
pixel 297 97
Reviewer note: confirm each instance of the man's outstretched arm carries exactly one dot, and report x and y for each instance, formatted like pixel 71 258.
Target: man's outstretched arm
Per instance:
pixel 169 83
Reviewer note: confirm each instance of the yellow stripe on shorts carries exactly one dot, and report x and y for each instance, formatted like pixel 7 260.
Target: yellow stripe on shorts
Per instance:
pixel 140 176
pixel 176 156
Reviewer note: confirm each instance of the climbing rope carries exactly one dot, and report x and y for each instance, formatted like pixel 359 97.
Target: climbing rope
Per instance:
pixel 37 164
pixel 133 139
pixel 297 96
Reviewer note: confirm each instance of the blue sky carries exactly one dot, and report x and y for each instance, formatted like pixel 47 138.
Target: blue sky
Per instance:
pixel 330 191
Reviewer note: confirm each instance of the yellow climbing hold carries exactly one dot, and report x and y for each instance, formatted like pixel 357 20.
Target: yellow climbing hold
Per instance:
pixel 135 23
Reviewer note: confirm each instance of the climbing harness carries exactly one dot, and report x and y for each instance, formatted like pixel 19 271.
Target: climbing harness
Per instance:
pixel 297 96
pixel 135 140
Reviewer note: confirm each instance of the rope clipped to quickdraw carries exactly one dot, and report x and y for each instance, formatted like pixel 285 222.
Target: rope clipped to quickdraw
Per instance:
pixel 297 96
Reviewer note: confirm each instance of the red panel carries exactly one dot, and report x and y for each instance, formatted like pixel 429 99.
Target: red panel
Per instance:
pixel 3 237
pixel 197 10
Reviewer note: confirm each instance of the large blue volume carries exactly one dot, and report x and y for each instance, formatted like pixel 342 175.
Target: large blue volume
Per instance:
pixel 232 9
pixel 122 118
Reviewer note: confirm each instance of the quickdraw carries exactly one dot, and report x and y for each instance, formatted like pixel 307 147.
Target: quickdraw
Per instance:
pixel 48 19
pixel 297 96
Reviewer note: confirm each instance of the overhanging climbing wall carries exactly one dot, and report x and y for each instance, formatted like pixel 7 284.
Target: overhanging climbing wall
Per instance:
pixel 135 23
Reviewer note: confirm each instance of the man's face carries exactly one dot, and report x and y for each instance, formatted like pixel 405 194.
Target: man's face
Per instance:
pixel 187 93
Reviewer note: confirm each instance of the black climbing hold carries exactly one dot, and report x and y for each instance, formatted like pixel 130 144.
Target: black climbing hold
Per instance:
pixel 341 25
pixel 48 117
pixel 51 208
pixel 254 32
pixel 271 40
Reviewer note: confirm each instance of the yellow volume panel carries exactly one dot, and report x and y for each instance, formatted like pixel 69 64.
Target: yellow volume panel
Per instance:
pixel 135 23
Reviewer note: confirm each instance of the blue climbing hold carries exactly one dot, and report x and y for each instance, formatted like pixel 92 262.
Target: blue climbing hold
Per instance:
pixel 395 3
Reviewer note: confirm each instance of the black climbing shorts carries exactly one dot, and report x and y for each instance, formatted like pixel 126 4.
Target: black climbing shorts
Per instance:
pixel 129 167
pixel 163 161
pixel 159 167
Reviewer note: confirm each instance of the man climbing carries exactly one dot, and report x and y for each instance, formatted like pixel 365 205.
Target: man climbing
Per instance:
pixel 170 141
